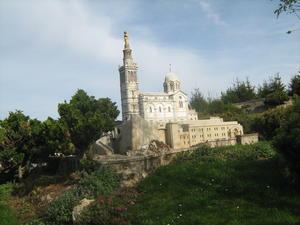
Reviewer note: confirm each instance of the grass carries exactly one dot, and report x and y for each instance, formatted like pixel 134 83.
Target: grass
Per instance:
pixel 7 215
pixel 226 185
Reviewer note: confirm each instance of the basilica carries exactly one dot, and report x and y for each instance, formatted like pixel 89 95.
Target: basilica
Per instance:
pixel 168 106
pixel 165 116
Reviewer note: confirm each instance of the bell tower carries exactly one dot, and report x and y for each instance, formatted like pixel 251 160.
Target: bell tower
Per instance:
pixel 128 82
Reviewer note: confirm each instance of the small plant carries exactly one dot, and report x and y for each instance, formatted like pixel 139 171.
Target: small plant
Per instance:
pixel 101 182
pixel 6 190
pixel 105 211
pixel 88 165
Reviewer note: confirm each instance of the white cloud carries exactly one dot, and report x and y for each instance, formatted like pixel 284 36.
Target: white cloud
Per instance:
pixel 74 26
pixel 210 13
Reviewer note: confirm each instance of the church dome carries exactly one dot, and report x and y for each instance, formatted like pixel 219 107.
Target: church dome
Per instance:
pixel 171 77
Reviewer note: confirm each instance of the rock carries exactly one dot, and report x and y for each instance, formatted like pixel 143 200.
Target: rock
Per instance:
pixel 78 209
pixel 46 198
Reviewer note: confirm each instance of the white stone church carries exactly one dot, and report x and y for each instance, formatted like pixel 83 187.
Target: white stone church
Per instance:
pixel 165 116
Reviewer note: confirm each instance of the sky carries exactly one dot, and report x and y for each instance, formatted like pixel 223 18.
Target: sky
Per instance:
pixel 51 48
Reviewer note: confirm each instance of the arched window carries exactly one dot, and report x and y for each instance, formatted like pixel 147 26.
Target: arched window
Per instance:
pixel 159 109
pixel 169 109
pixel 150 109
pixel 180 104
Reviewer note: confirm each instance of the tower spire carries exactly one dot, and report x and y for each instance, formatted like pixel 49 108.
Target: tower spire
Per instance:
pixel 126 40
pixel 127 57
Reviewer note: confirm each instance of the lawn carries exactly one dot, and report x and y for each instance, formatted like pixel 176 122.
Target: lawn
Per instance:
pixel 237 185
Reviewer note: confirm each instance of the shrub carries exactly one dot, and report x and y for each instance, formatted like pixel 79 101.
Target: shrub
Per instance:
pixel 5 191
pixel 241 152
pixel 88 165
pixel 60 210
pixel 104 212
pixel 287 140
pixel 7 216
pixel 101 182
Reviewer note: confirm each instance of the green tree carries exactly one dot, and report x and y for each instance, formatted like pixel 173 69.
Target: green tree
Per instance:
pixel 21 144
pixel 268 123
pixel 294 86
pixel 273 91
pixel 287 140
pixel 240 91
pixel 198 102
pixel 87 118
pixel 57 137
pixel 289 6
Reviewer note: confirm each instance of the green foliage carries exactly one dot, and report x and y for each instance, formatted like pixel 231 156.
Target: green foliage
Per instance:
pixel 86 118
pixel 276 98
pixel 198 102
pixel 60 210
pixel 105 211
pixel 246 120
pixel 7 215
pixel 287 140
pixel 210 106
pixel 240 92
pixel 226 186
pixel 57 137
pixel 21 143
pixel 88 165
pixel 267 123
pixel 290 6
pixel 273 91
pixel 101 182
pixel 6 190
pixel 24 141
pixel 236 152
pixel 294 86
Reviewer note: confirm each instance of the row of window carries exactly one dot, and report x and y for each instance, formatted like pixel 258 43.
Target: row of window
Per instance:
pixel 207 129
pixel 159 109
pixel 202 135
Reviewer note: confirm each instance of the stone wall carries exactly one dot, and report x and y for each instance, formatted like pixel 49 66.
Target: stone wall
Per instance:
pixel 136 133
pixel 134 168
pixel 247 139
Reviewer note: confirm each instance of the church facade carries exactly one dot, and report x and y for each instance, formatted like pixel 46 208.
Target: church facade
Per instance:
pixel 165 116
pixel 162 107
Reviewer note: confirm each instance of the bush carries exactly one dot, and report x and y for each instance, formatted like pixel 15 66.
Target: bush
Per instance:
pixel 5 191
pixel 104 212
pixel 287 140
pixel 101 182
pixel 60 210
pixel 7 216
pixel 241 152
pixel 88 165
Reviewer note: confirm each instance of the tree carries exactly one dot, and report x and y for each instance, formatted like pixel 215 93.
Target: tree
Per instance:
pixel 87 118
pixel 289 6
pixel 240 92
pixel 268 123
pixel 198 102
pixel 57 137
pixel 20 145
pixel 294 86
pixel 287 140
pixel 273 91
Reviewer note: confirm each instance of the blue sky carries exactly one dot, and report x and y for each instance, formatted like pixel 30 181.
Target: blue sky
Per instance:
pixel 51 48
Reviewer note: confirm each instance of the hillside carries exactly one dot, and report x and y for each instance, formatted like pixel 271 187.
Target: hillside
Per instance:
pixel 228 185
pixel 236 185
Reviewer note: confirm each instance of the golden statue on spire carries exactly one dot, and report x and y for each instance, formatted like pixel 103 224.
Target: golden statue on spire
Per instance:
pixel 126 39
